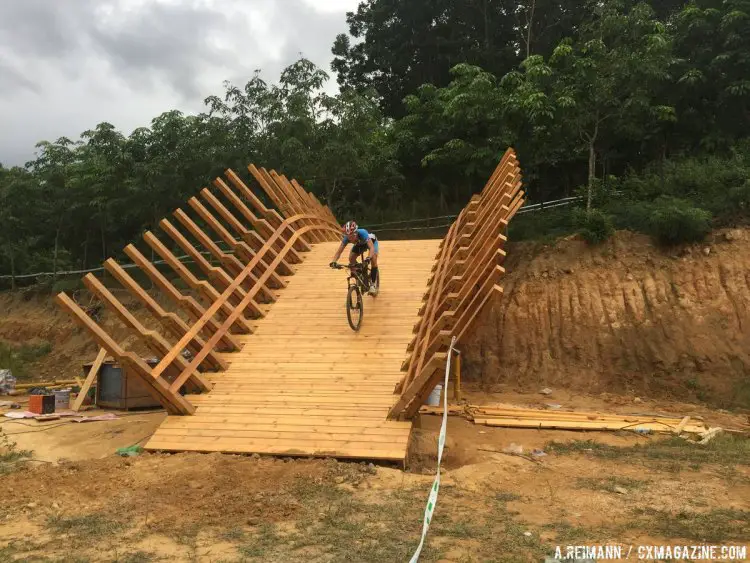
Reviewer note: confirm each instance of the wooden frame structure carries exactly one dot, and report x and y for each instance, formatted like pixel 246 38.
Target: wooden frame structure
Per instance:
pixel 465 277
pixel 232 287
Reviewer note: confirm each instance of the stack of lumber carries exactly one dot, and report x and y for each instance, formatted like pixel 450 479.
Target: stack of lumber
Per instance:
pixel 569 420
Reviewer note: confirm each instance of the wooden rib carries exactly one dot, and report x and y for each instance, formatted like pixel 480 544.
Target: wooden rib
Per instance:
pixel 271 217
pixel 233 262
pixel 296 203
pixel 272 191
pixel 193 309
pixel 204 288
pixel 152 339
pixel 216 277
pixel 173 402
pixel 170 321
pixel 252 238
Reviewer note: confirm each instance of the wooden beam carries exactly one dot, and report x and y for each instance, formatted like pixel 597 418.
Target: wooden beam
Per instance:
pixel 89 379
pixel 173 402
pixel 193 309
pixel 170 321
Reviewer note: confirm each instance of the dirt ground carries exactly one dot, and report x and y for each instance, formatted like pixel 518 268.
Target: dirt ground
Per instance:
pixel 66 496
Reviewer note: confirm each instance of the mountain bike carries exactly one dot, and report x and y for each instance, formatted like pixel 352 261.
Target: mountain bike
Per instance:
pixel 358 284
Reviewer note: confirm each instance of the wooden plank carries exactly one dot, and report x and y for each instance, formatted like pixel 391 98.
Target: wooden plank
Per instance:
pixel 584 425
pixel 89 379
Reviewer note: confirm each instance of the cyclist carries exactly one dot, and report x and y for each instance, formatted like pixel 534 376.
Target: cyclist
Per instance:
pixel 361 241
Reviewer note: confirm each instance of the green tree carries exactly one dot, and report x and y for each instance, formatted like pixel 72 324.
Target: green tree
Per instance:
pixel 712 94
pixel 601 84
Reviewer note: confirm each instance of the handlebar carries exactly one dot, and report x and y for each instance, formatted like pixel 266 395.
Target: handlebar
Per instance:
pixel 338 266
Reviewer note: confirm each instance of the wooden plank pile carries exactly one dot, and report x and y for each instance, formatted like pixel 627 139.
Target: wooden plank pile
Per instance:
pixel 569 420
pixel 226 289
pixel 465 277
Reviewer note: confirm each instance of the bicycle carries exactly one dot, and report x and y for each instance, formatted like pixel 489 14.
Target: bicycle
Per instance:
pixel 359 283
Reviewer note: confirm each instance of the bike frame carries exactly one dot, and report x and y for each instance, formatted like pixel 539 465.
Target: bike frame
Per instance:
pixel 360 273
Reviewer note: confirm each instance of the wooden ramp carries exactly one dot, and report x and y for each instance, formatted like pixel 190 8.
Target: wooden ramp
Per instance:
pixel 304 383
pixel 252 352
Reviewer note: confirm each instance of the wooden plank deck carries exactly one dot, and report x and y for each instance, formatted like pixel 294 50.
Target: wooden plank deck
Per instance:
pixel 304 383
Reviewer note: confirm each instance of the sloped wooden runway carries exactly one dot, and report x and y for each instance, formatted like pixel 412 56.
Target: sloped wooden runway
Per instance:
pixel 304 383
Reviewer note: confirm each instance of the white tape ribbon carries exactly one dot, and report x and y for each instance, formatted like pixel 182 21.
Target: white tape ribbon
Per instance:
pixel 432 499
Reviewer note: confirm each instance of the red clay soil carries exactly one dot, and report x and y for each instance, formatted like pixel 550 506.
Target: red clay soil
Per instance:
pixel 626 317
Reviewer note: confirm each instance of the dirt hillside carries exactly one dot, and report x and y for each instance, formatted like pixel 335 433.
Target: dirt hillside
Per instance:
pixel 37 321
pixel 625 317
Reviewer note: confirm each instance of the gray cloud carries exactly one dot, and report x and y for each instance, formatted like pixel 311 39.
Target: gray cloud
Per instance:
pixel 66 66
pixel 13 79
pixel 42 28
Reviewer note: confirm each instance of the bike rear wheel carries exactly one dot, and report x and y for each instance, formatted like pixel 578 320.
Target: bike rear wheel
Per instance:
pixel 354 307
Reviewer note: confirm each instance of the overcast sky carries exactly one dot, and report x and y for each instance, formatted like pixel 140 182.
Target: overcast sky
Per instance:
pixel 67 65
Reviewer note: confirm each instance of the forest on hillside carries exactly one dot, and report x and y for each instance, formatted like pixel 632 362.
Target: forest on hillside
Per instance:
pixel 641 108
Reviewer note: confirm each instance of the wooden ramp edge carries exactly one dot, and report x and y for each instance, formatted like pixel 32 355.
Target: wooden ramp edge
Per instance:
pixel 305 384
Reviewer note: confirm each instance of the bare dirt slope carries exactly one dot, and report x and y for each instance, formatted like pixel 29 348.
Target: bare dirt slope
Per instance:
pixel 626 317
pixel 37 321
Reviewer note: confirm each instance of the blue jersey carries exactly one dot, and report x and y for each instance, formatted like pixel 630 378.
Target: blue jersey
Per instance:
pixel 362 238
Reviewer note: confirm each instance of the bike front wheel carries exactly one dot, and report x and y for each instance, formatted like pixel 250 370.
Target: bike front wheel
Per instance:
pixel 354 307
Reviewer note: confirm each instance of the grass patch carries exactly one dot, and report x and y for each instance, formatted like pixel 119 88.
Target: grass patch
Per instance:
pixel 676 453
pixel 609 484
pixel 506 496
pixel 332 523
pixel 87 526
pixel 10 455
pixel 716 526
pixel 136 557
pixel 262 544
pixel 234 535
pixel 567 533
pixel 18 358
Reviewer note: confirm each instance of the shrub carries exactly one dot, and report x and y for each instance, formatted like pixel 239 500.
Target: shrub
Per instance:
pixel 674 221
pixel 594 225
pixel 541 225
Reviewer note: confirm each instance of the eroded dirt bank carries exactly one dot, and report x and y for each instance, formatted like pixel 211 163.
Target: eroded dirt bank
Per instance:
pixel 626 317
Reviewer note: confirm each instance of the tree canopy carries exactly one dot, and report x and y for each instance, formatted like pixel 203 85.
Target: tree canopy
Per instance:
pixel 641 97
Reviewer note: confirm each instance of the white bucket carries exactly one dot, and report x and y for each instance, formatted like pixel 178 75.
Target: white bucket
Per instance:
pixel 62 399
pixel 434 399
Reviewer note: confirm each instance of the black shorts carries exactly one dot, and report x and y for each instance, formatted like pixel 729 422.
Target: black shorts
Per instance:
pixel 359 249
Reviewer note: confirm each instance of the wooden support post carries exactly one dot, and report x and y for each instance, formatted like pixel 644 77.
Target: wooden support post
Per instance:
pixel 89 379
pixel 457 379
